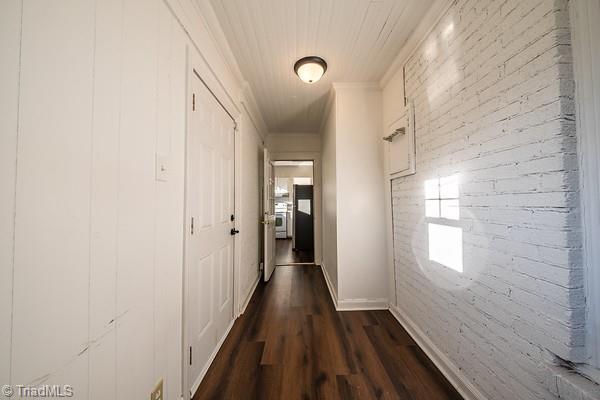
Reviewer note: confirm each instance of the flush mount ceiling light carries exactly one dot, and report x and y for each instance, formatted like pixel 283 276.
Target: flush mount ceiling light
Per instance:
pixel 310 69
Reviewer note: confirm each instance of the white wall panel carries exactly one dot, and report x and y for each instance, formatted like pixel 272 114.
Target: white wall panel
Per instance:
pixel 296 171
pixel 293 142
pixel 98 250
pixel 329 196
pixel 169 232
pixel 250 229
pixel 354 238
pixel 121 135
pixel 104 198
pixel 10 44
pixel 51 274
pixel 136 206
pixel 361 236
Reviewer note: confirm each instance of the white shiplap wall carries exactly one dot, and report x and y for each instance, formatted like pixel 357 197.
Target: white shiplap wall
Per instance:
pixel 93 91
pixel 10 40
pixel 97 252
pixel 52 223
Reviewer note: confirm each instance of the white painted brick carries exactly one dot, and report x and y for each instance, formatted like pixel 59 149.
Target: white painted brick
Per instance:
pixel 494 103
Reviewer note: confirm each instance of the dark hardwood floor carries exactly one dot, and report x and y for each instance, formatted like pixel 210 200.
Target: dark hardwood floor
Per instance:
pixel 285 255
pixel 291 343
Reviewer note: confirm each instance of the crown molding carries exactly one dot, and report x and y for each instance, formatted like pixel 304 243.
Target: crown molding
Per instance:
pixel 213 26
pixel 431 19
pixel 290 134
pixel 356 85
pixel 327 110
pixel 245 96
pixel 251 106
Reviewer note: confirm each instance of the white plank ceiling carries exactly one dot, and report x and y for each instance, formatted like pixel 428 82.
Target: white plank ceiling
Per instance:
pixel 359 39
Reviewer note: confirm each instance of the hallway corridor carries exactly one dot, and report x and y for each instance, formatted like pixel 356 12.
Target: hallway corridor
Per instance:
pixel 292 344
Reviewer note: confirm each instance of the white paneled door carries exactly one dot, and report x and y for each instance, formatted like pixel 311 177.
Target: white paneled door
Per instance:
pixel 210 228
pixel 269 215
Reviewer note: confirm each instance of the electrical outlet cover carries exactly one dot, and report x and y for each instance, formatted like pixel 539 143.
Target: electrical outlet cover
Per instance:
pixel 157 393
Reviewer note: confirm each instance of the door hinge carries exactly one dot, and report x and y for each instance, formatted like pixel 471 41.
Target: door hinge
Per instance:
pixel 190 355
pixel 193 101
pixel 192 226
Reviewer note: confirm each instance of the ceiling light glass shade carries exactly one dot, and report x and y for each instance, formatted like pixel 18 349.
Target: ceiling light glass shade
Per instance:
pixel 310 69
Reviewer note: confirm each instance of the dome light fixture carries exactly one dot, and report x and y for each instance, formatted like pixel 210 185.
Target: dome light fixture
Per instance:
pixel 310 69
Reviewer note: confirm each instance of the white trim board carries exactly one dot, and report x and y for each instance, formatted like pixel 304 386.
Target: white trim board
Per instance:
pixel 315 157
pixel 353 304
pixel 250 105
pixel 250 294
pixel 211 67
pixel 584 15
pixel 455 376
pixel 362 304
pixel 328 104
pixel 329 286
pixel 356 85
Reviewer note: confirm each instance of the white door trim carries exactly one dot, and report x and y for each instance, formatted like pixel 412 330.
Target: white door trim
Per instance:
pixel 196 66
pixel 269 240
pixel 584 15
pixel 315 157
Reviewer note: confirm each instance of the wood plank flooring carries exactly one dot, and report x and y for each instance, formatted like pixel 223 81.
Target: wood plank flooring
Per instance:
pixel 291 343
pixel 284 255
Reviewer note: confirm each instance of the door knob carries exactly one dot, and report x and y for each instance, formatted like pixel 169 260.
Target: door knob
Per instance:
pixel 234 231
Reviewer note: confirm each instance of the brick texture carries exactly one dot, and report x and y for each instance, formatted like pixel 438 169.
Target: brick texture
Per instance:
pixel 492 87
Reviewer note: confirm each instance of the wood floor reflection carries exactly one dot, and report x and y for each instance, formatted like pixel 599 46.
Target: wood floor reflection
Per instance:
pixel 285 255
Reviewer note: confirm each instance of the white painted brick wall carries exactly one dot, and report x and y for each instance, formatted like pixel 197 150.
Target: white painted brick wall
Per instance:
pixel 493 92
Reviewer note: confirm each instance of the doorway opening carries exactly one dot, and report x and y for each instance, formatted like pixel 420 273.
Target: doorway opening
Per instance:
pixel 294 212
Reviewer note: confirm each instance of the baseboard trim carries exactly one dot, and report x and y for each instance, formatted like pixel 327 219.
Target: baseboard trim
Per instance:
pixel 249 296
pixel 198 381
pixel 362 304
pixel 353 304
pixel 329 286
pixel 454 375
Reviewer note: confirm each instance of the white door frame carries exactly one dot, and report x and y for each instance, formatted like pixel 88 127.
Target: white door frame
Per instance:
pixel 197 66
pixel 584 15
pixel 268 205
pixel 315 157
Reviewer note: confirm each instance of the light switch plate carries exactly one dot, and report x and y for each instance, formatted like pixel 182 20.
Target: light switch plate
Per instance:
pixel 162 167
pixel 157 393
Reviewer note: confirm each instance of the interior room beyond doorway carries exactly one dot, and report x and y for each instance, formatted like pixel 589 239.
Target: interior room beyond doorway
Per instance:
pixel 294 212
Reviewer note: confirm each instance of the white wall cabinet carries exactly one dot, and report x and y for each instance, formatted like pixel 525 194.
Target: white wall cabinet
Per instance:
pixel 399 140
